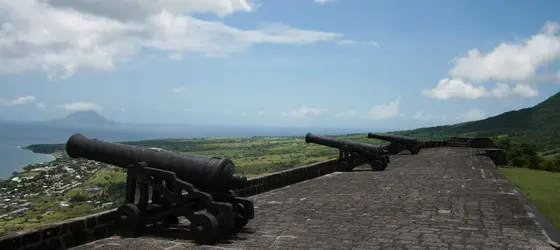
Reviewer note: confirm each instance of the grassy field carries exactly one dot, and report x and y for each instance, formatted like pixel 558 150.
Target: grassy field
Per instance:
pixel 541 187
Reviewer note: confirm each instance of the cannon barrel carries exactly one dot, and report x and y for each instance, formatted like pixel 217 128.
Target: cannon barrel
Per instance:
pixel 204 172
pixel 387 137
pixel 343 144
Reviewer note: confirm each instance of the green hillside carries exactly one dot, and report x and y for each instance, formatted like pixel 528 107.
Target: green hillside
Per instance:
pixel 538 125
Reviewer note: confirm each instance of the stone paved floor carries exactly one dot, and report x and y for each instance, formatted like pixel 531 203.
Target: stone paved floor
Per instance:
pixel 444 198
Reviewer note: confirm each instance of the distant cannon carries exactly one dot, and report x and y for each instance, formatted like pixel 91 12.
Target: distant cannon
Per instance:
pixel 353 154
pixel 398 143
pixel 209 202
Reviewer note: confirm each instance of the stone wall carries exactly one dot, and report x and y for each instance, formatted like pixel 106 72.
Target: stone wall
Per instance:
pixel 481 142
pixel 434 144
pixel 284 178
pixel 498 156
pixel 78 231
pixel 63 234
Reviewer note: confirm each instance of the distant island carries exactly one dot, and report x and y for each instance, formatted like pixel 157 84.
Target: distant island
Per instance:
pixel 90 118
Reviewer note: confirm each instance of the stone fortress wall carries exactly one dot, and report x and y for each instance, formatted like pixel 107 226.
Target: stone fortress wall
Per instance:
pixel 78 231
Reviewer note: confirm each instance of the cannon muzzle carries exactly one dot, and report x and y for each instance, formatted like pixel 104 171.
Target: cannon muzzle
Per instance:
pixel 205 172
pixel 396 138
pixel 356 147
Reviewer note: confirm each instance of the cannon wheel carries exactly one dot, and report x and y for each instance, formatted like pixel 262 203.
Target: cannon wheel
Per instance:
pixel 240 220
pixel 204 227
pixel 377 165
pixel 414 151
pixel 129 220
pixel 345 166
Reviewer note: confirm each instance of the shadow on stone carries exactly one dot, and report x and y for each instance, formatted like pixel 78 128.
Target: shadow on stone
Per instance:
pixel 182 232
pixel 498 156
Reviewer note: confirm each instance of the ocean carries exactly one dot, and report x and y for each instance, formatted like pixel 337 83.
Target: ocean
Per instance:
pixel 14 135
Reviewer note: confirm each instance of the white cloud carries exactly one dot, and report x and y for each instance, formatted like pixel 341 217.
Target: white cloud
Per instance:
pixel 113 8
pixel 501 90
pixel 371 43
pixel 349 113
pixel 323 1
pixel 516 62
pixel 80 106
pixel 178 89
pixel 455 88
pixel 41 105
pixel 62 37
pixel 18 101
pixel 347 42
pixel 385 111
pixel 522 90
pixel 304 112
pixel 175 56
pixel 260 113
pixel 424 116
pixel 473 114
pixel 354 42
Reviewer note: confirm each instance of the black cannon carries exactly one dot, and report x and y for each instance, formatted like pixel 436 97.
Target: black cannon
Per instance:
pixel 200 188
pixel 398 143
pixel 353 154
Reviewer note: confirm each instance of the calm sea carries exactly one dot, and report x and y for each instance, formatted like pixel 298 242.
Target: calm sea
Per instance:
pixel 14 135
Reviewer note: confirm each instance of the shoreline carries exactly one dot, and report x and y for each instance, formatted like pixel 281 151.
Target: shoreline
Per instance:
pixel 24 148
pixel 53 158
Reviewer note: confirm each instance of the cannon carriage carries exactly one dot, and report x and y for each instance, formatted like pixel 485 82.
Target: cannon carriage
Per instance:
pixel 353 154
pixel 398 143
pixel 199 188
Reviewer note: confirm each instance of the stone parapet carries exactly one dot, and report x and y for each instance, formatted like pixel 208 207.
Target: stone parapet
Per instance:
pixel 78 231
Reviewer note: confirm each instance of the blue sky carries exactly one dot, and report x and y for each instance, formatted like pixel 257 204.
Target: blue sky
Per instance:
pixel 342 63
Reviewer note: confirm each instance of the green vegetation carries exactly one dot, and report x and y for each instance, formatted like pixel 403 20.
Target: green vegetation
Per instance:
pixel 525 155
pixel 540 187
pixel 252 155
pixel 538 125
pixel 530 136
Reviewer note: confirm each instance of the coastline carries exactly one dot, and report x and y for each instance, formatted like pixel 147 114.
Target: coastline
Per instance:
pixel 25 148
pixel 53 158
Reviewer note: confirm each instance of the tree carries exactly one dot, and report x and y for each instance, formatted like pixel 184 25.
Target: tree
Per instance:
pixel 78 197
pixel 523 155
pixel 503 143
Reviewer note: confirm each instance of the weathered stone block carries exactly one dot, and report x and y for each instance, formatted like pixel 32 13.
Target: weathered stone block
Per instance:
pixel 10 242
pixel 68 240
pixel 100 232
pixel 77 226
pixel 55 243
pixel 111 230
pixel 91 222
pixel 104 218
pixel 30 238
pixel 498 156
pixel 50 232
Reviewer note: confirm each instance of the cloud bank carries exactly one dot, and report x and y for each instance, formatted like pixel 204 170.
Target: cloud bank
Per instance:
pixel 519 64
pixel 62 37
